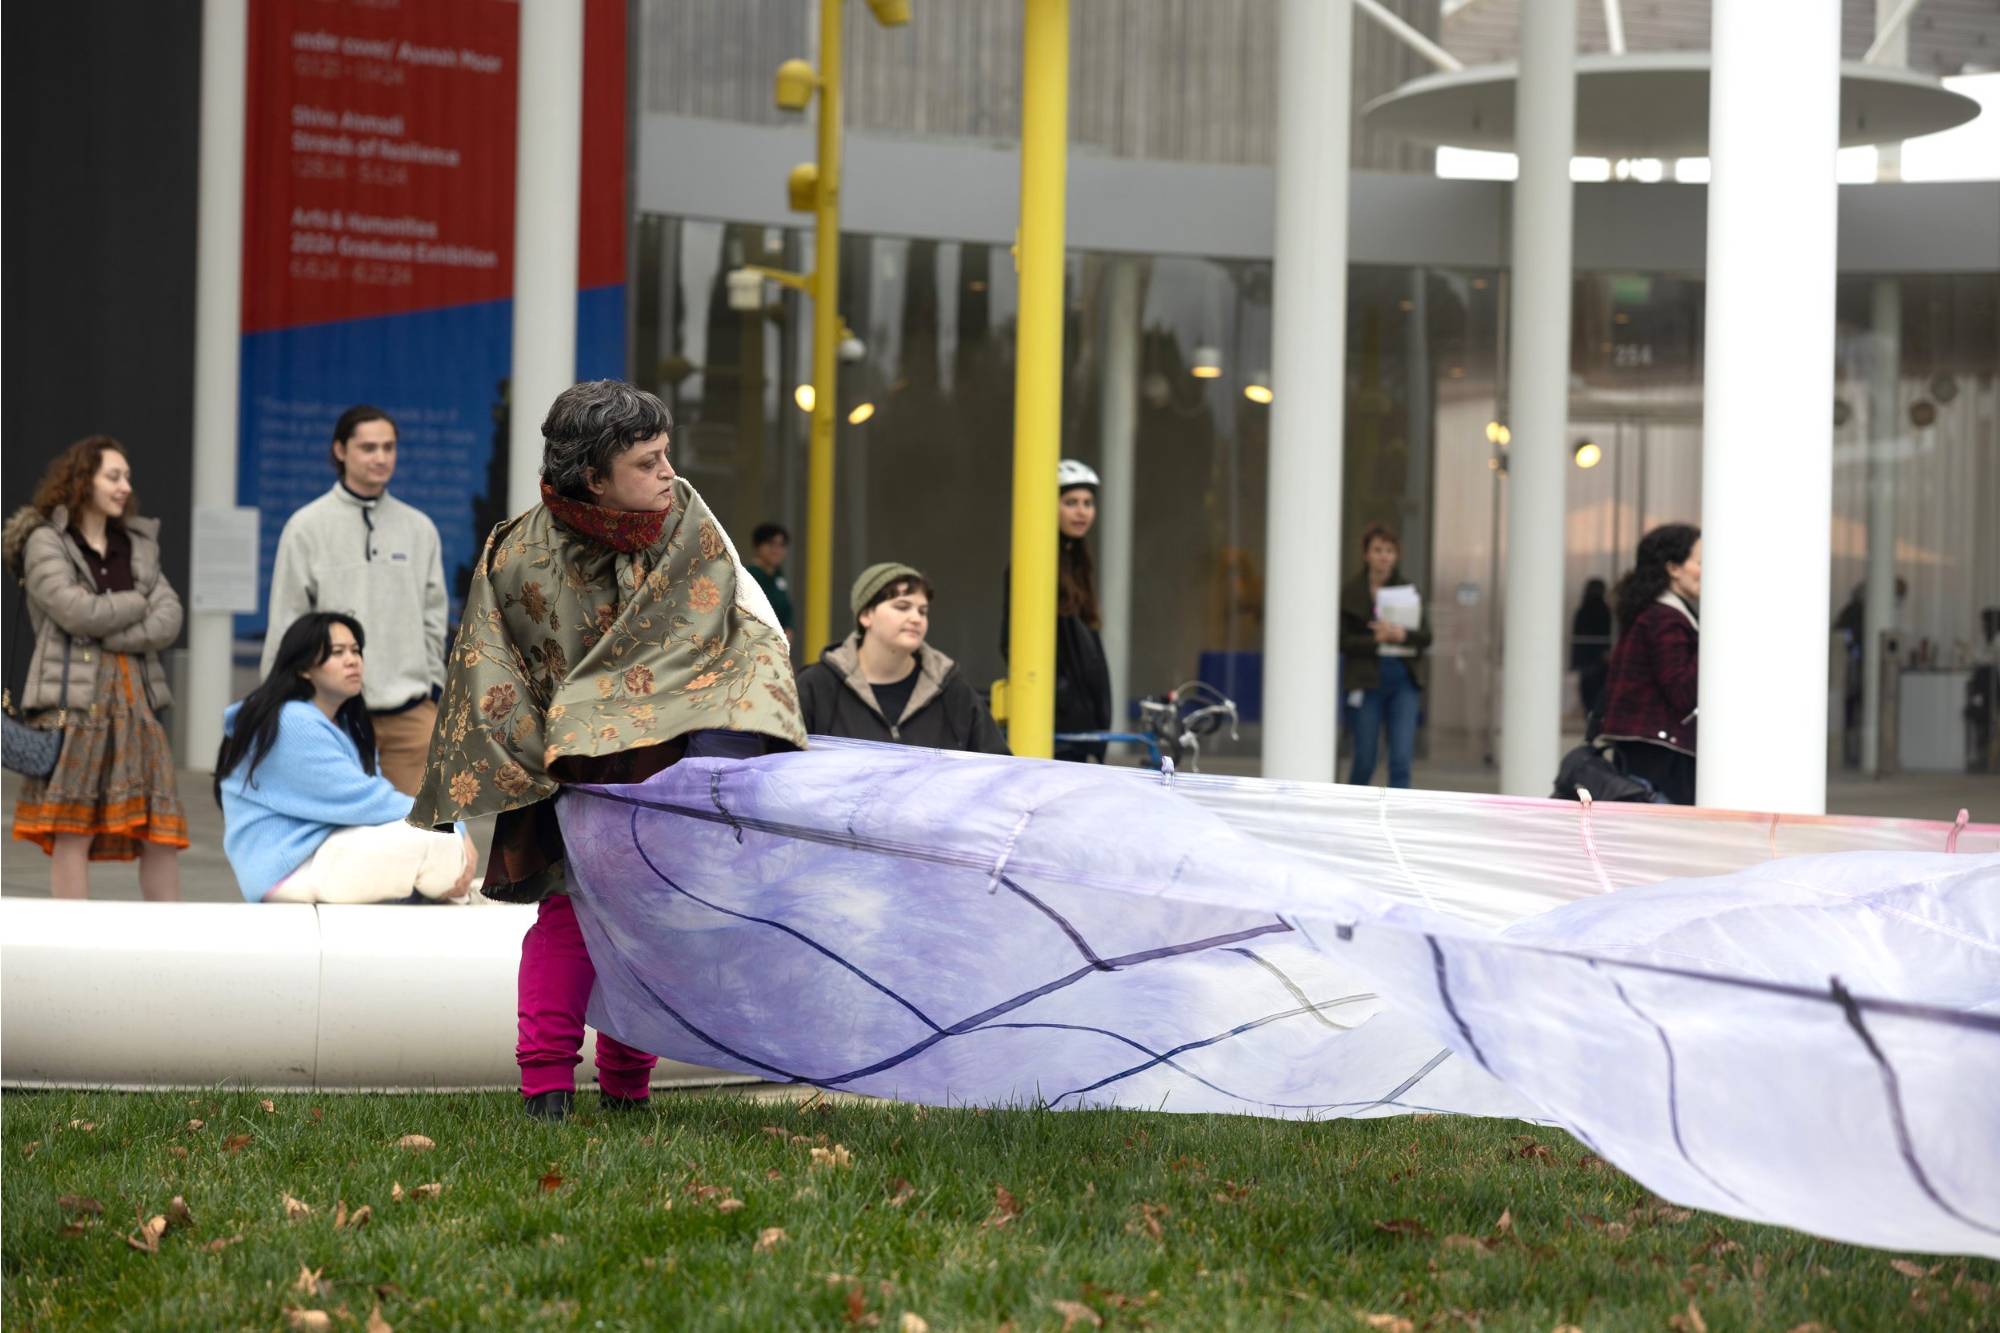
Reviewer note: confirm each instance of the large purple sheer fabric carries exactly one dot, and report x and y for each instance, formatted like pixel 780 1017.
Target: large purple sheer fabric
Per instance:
pixel 1814 1041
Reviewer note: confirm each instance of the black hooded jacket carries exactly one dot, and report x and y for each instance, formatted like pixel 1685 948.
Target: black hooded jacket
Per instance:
pixel 944 712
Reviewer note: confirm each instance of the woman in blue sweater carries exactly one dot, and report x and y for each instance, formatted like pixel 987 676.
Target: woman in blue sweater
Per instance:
pixel 305 815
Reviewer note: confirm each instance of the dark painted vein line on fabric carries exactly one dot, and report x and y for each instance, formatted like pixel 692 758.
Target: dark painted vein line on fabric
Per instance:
pixel 1892 1088
pixel 1444 993
pixel 1673 1091
pixel 1201 1043
pixel 779 926
pixel 1389 1098
pixel 1075 936
pixel 1298 992
pixel 1047 988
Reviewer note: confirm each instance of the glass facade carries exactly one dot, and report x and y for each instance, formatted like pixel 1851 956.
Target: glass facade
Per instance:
pixel 1176 351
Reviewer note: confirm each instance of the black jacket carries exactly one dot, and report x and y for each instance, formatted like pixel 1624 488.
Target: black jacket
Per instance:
pixel 1362 664
pixel 944 712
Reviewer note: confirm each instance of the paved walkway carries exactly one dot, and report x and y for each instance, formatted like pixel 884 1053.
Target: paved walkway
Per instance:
pixel 205 875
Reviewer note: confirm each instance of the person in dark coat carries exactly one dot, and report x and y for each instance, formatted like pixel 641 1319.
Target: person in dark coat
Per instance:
pixel 883 684
pixel 1382 664
pixel 1651 687
pixel 1590 646
pixel 1083 672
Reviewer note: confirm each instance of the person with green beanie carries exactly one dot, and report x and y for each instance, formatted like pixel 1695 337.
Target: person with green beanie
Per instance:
pixel 883 684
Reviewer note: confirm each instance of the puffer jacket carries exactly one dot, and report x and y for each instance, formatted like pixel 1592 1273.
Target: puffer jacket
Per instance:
pixel 68 613
pixel 944 712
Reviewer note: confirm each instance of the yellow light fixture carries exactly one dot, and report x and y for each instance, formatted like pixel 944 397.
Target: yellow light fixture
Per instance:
pixel 861 413
pixel 1497 433
pixel 802 188
pixel 794 85
pixel 1589 454
pixel 1258 392
pixel 803 396
pixel 891 13
pixel 1207 364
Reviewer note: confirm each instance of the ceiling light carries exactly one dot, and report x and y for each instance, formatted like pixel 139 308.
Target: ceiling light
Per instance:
pixel 803 396
pixel 1589 454
pixel 1207 364
pixel 861 413
pixel 1258 392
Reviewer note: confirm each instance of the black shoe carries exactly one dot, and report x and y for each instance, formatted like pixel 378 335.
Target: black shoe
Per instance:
pixel 550 1105
pixel 616 1105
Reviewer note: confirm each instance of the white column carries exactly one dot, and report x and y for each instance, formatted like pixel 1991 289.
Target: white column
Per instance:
pixel 1538 400
pixel 1767 432
pixel 1895 53
pixel 1884 430
pixel 218 347
pixel 1308 360
pixel 1118 433
pixel 548 168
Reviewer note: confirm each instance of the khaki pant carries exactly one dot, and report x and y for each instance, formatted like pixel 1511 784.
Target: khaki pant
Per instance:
pixel 403 743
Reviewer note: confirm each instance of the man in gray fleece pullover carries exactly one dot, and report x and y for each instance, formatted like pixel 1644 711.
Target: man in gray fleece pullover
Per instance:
pixel 359 550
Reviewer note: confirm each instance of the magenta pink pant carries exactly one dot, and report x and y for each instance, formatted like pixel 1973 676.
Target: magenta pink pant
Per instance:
pixel 556 977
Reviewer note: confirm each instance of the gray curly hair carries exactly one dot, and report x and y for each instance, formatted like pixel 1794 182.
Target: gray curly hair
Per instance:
pixel 589 425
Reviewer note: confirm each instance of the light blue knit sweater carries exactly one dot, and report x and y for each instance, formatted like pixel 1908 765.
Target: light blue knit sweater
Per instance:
pixel 309 785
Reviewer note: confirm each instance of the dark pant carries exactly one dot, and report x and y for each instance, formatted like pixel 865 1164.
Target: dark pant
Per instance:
pixel 1670 771
pixel 1394 702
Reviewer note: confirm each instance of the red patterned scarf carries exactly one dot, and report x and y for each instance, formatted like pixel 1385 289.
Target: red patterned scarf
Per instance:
pixel 620 529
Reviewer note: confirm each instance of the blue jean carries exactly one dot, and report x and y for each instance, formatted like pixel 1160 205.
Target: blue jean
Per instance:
pixel 1397 699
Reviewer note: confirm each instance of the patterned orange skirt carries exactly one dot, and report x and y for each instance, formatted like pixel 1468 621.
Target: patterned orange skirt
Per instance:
pixel 114 782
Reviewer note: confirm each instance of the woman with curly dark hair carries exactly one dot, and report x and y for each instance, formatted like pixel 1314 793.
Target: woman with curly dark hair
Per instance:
pixel 102 614
pixel 1650 687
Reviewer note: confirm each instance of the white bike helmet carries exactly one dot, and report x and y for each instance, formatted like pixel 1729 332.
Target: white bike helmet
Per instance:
pixel 1071 474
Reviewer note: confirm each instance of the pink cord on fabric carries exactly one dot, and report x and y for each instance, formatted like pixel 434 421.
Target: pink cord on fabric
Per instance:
pixel 1590 843
pixel 1957 827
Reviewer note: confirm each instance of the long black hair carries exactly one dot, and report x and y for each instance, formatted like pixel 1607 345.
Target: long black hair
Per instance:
pixel 307 644
pixel 1668 544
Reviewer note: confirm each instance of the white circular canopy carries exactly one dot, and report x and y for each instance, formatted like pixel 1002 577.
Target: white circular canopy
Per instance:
pixel 1652 104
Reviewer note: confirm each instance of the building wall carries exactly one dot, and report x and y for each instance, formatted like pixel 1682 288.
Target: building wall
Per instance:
pixel 1173 80
pixel 101 103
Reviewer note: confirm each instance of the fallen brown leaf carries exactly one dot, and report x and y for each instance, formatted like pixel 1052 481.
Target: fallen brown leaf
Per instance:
pixel 416 1143
pixel 316 1113
pixel 729 1205
pixel 395 1191
pixel 836 1156
pixel 1811 1326
pixel 901 1192
pixel 147 1239
pixel 1149 1219
pixel 777 1131
pixel 236 1142
pixel 361 1218
pixel 773 1173
pixel 311 1320
pixel 1910 1270
pixel 770 1238
pixel 1566 1328
pixel 79 1203
pixel 1691 1322
pixel 1075 1312
pixel 340 1214
pixel 194 1126
pixel 270 1107
pixel 296 1209
pixel 1403 1226
pixel 177 1150
pixel 1467 1243
pixel 430 1191
pixel 28 1148
pixel 912 1322
pixel 308 1283
pixel 178 1214
pixel 551 1183
pixel 86 1126
pixel 72 1230
pixel 1391 1323
pixel 376 1323
pixel 858 1313
pixel 218 1246
pixel 1506 1222
pixel 1005 1208
pixel 1617 1230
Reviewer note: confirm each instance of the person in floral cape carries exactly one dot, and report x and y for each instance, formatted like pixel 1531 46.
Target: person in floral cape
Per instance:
pixel 608 632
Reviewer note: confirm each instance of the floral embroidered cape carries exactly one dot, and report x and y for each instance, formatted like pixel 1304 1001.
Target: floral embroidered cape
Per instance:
pixel 571 653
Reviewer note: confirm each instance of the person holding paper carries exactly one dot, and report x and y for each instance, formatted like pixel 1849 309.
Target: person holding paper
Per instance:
pixel 1383 634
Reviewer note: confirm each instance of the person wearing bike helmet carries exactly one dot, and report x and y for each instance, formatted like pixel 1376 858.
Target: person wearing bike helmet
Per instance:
pixel 1083 674
pixel 883 684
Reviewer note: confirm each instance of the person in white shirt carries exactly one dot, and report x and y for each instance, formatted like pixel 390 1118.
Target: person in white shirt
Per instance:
pixel 360 551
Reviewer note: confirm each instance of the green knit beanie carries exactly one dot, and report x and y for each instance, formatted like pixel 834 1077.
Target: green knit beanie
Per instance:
pixel 875 578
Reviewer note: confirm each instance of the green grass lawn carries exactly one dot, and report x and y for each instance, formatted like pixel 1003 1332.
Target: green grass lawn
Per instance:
pixel 730 1212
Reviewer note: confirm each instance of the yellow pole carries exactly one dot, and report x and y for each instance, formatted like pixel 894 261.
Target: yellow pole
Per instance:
pixel 826 337
pixel 1031 643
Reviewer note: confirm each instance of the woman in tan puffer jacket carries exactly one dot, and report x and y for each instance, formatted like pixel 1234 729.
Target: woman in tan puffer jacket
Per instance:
pixel 102 612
